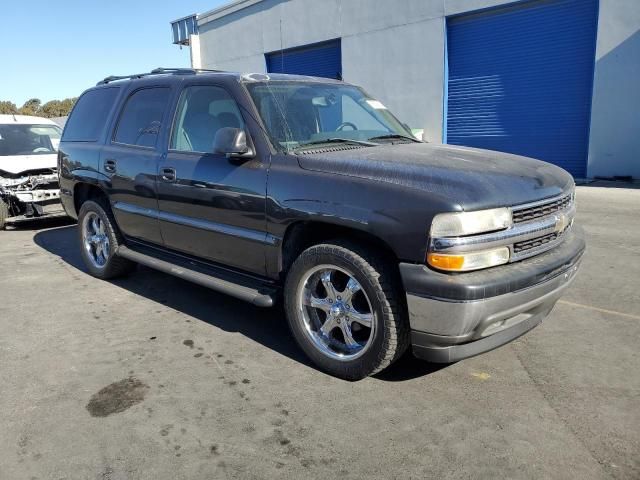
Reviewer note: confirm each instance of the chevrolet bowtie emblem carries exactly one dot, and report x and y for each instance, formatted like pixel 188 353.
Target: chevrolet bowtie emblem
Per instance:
pixel 561 222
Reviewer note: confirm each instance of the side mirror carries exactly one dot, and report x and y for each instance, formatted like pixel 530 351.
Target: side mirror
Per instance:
pixel 232 142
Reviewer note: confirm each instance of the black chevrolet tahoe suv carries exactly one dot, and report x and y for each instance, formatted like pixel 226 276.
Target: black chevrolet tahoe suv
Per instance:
pixel 306 189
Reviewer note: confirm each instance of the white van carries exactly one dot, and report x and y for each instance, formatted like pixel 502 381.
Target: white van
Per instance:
pixel 28 168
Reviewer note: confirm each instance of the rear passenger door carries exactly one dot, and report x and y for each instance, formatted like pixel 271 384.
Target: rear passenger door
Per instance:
pixel 131 160
pixel 211 206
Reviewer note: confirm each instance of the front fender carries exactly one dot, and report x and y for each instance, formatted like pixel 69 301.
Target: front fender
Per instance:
pixel 399 216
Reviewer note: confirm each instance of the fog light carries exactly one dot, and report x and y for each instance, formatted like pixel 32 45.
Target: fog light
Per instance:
pixel 463 262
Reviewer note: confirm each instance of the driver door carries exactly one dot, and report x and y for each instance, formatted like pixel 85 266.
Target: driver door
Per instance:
pixel 210 206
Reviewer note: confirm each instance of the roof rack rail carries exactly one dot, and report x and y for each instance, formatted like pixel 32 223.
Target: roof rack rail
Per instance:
pixel 157 71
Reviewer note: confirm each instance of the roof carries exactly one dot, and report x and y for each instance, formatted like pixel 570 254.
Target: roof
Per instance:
pixel 225 10
pixel 25 120
pixel 245 77
pixel 284 77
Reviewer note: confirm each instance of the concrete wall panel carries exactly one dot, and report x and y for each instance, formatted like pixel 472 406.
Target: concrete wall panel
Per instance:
pixel 403 67
pixel 360 16
pixel 614 147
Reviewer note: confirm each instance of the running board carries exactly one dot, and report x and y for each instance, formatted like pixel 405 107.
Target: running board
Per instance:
pixel 249 294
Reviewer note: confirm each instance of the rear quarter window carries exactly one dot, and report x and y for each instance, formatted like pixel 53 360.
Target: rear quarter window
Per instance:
pixel 89 116
pixel 141 118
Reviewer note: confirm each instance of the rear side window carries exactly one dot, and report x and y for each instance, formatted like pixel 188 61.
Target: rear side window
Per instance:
pixel 141 117
pixel 89 116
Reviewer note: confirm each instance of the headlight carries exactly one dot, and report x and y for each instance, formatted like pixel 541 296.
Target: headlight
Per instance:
pixel 458 224
pixel 461 224
pixel 463 262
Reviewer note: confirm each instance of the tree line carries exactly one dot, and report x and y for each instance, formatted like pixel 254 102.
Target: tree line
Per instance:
pixel 33 106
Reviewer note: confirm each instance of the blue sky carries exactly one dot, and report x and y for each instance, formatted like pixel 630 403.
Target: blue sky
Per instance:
pixel 54 49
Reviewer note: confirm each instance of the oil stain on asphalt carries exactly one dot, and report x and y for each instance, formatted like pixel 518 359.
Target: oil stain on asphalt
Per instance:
pixel 117 397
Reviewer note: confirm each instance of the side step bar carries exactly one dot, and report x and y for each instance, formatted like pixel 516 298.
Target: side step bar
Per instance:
pixel 246 293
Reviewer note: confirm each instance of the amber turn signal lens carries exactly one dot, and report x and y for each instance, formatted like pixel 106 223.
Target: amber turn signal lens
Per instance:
pixel 446 262
pixel 468 261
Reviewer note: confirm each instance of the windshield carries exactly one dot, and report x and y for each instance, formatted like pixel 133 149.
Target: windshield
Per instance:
pixel 296 114
pixel 20 139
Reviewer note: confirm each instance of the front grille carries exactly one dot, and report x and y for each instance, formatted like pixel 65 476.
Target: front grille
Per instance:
pixel 539 211
pixel 535 242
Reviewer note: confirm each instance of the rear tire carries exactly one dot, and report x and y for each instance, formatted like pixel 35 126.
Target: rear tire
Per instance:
pixel 99 240
pixel 346 309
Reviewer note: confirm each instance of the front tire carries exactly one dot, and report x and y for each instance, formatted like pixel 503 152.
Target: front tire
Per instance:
pixel 99 240
pixel 4 214
pixel 346 309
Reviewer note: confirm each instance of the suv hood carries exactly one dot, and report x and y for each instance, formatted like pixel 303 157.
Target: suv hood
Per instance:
pixel 473 178
pixel 16 164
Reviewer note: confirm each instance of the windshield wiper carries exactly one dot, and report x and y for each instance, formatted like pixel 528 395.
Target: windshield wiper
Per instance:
pixel 336 140
pixel 395 135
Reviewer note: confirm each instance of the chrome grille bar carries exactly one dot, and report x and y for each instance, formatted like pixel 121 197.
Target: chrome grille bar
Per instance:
pixel 544 208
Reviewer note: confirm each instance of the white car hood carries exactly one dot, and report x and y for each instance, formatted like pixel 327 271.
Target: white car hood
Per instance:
pixel 16 164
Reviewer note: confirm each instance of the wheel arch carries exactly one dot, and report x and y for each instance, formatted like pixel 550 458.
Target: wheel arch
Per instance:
pixel 303 234
pixel 83 191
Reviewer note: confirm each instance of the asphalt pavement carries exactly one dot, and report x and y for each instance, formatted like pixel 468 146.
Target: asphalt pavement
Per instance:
pixel 151 377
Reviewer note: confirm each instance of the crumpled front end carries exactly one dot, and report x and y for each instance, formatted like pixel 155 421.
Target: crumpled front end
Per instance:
pixel 30 194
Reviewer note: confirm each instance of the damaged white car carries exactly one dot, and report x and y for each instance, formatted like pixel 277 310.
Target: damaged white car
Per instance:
pixel 28 168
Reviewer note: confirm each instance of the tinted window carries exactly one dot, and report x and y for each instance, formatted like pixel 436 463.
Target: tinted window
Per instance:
pixel 202 111
pixel 141 117
pixel 89 115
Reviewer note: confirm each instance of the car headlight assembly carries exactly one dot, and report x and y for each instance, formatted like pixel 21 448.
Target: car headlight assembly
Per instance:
pixel 462 224
pixel 459 224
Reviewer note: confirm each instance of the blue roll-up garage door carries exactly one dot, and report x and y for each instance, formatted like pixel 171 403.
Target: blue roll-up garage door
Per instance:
pixel 318 60
pixel 520 80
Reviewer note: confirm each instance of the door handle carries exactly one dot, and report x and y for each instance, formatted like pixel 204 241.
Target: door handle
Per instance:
pixel 169 174
pixel 110 165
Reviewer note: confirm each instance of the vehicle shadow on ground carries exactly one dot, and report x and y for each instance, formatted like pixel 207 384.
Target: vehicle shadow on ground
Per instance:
pixel 266 326
pixel 40 223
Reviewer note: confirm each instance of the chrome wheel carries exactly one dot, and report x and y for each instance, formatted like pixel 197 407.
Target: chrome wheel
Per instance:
pixel 95 239
pixel 336 312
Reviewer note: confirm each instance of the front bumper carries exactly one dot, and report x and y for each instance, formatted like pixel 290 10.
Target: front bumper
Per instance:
pixel 28 204
pixel 456 316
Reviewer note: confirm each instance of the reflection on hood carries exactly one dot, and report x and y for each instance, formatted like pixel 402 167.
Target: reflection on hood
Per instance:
pixel 16 164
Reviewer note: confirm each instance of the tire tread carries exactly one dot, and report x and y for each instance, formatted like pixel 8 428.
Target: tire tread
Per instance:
pixel 389 292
